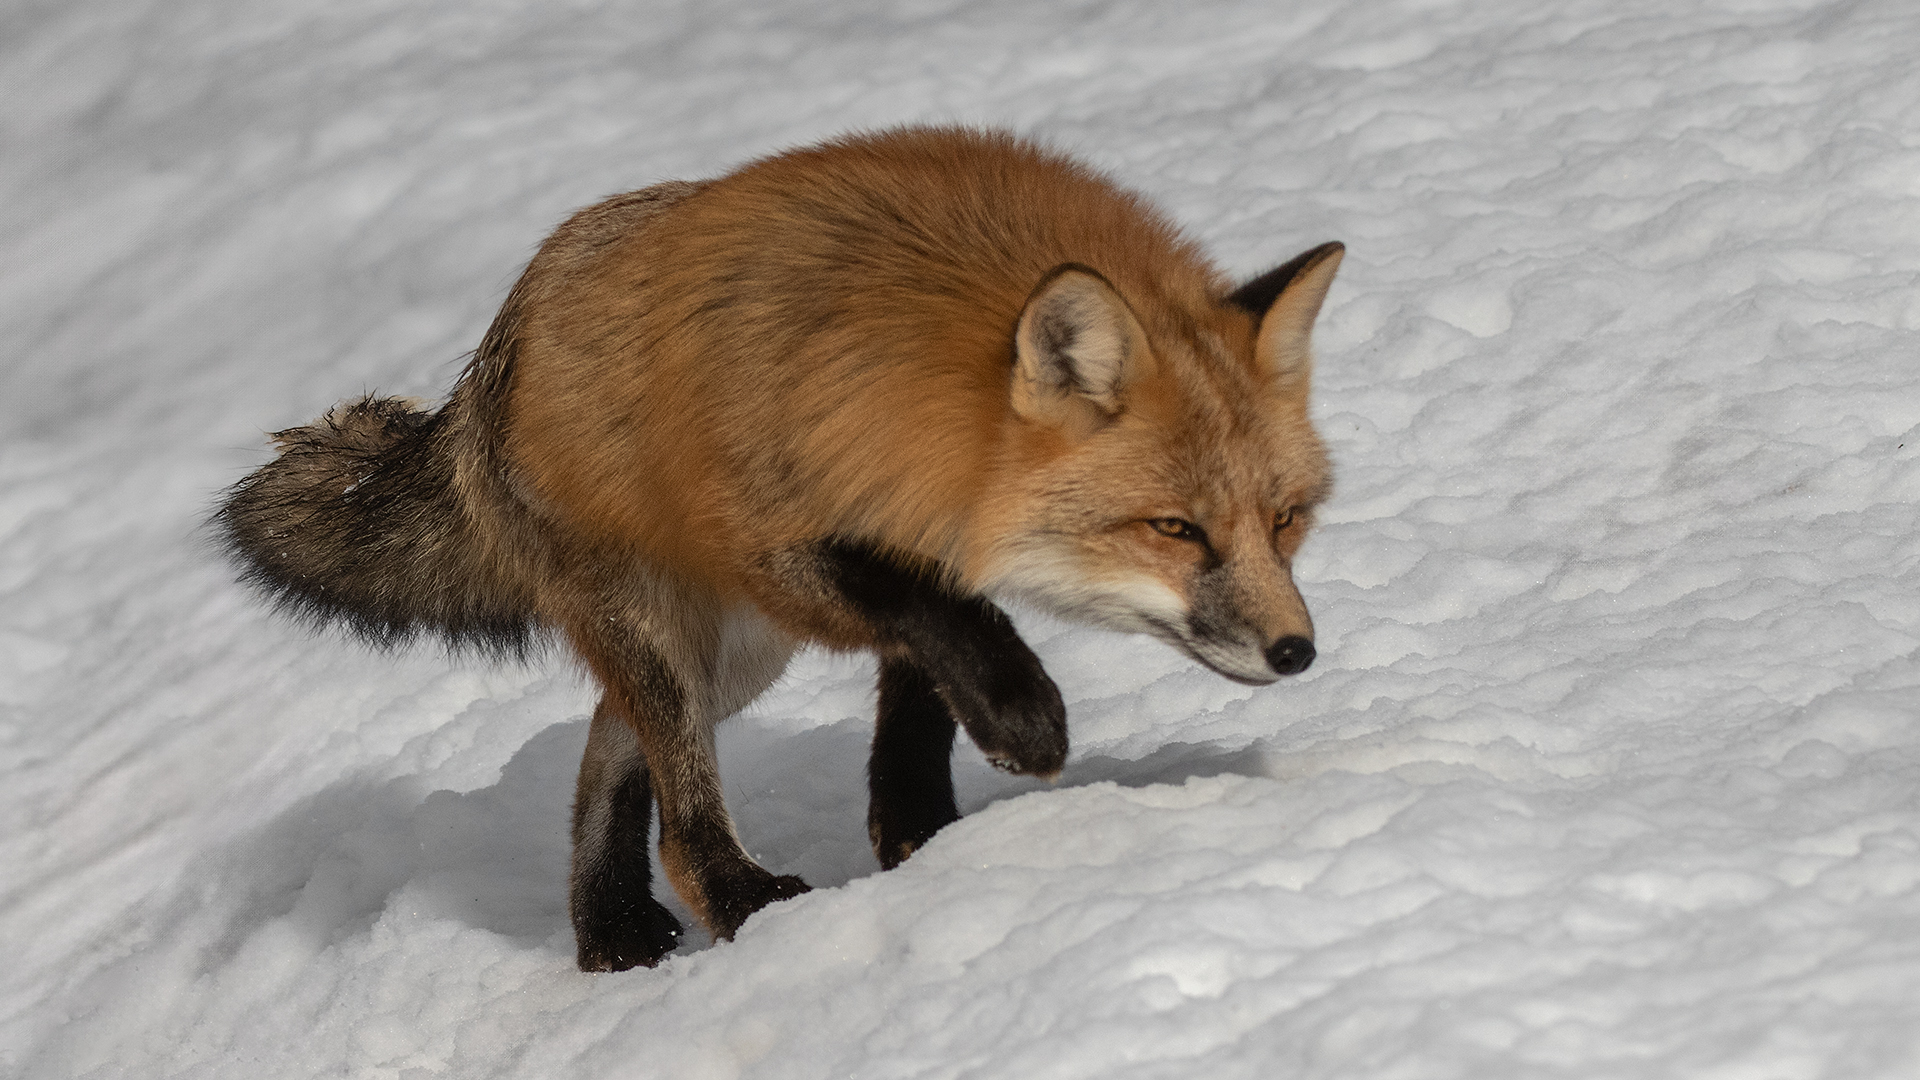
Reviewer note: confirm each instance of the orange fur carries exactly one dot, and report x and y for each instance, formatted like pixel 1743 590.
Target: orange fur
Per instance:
pixel 817 344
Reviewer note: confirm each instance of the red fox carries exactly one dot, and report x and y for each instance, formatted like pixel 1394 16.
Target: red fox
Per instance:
pixel 847 395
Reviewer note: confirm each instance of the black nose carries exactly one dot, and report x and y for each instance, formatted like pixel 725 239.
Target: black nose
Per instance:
pixel 1290 655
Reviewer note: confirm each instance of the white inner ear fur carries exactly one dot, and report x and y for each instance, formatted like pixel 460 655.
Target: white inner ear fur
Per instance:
pixel 1284 349
pixel 1077 344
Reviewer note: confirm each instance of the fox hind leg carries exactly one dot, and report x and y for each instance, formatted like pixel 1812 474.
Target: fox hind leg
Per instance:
pixel 617 924
pixel 910 772
pixel 672 668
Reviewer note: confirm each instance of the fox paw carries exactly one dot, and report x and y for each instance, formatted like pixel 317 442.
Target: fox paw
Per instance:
pixel 640 937
pixel 898 832
pixel 1013 712
pixel 731 904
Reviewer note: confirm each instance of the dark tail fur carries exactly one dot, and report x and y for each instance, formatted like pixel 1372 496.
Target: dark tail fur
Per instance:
pixel 395 521
pixel 364 519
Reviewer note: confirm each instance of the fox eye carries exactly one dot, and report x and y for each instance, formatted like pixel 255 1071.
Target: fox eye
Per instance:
pixel 1283 519
pixel 1179 529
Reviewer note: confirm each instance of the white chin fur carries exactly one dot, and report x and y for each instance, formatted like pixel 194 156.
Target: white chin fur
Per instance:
pixel 1241 664
pixel 1136 606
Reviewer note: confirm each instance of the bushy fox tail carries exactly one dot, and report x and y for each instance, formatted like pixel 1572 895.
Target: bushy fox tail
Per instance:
pixel 363 520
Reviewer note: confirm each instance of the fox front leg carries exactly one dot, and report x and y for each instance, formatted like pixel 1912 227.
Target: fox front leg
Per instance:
pixel 943 657
pixel 910 775
pixel 967 650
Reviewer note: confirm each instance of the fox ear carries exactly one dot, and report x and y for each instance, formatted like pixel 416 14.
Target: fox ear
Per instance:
pixel 1286 300
pixel 1077 344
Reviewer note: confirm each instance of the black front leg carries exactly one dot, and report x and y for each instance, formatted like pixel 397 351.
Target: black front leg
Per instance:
pixel 966 649
pixel 910 775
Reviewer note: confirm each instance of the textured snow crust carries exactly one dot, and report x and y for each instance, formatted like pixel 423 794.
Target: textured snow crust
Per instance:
pixel 1610 763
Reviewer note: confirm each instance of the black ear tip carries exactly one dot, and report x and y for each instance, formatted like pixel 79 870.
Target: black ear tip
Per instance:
pixel 1256 296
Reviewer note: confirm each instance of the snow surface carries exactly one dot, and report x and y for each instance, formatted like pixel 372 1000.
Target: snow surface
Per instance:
pixel 1609 766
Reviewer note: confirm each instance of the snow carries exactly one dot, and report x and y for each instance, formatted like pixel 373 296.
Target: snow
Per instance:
pixel 1609 766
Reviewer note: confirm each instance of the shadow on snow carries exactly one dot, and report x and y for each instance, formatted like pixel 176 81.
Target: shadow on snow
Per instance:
pixel 495 858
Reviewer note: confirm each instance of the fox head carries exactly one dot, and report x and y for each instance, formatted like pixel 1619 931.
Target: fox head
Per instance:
pixel 1167 470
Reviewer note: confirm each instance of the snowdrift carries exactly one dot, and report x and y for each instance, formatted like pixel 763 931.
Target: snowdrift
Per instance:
pixel 1610 764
